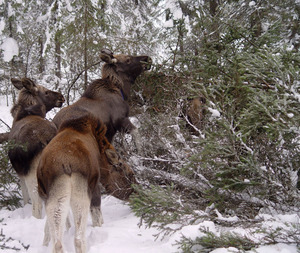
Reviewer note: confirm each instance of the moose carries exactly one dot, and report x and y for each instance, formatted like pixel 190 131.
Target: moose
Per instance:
pixel 195 113
pixel 106 98
pixel 30 133
pixel 70 169
pixel 4 137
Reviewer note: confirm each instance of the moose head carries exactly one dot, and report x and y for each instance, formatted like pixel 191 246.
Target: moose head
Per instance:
pixel 35 99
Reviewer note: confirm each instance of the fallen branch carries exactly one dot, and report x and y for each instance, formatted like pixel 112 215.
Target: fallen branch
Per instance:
pixel 199 186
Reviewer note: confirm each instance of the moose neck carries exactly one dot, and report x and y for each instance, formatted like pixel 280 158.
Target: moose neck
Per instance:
pixel 119 79
pixel 126 85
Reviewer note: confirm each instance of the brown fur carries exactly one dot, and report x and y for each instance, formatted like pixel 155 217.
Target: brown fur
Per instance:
pixel 68 176
pixel 30 131
pixel 34 99
pixel 81 147
pixel 4 137
pixel 196 111
pixel 106 98
pixel 31 134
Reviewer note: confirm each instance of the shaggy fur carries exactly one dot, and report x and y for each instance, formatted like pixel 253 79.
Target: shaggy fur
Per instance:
pixel 69 172
pixel 106 98
pixel 196 112
pixel 30 133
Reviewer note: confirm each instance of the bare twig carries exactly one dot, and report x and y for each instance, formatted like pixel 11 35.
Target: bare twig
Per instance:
pixel 76 78
pixel 5 124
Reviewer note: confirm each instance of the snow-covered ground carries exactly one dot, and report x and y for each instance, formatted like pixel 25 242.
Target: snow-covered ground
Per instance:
pixel 120 231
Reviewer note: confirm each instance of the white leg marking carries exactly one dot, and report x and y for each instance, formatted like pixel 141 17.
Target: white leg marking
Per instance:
pixel 24 190
pixel 80 204
pixel 57 209
pixel 46 234
pixel 32 187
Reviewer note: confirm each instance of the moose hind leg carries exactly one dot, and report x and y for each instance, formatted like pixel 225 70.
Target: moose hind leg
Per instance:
pixel 97 218
pixel 57 209
pixel 95 208
pixel 80 204
pixel 32 187
pixel 46 234
pixel 24 190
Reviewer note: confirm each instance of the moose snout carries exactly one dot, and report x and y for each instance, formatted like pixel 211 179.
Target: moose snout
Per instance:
pixel 60 101
pixel 147 62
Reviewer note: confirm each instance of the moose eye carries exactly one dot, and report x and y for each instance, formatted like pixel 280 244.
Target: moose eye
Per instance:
pixel 116 167
pixel 128 61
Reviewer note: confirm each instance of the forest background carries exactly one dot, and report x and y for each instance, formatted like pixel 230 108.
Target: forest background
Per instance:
pixel 239 57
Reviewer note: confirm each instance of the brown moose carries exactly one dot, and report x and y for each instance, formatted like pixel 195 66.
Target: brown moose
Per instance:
pixel 30 133
pixel 68 177
pixel 195 113
pixel 106 98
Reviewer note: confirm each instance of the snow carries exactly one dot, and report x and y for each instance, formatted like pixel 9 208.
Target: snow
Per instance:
pixel 214 113
pixel 42 18
pixel 252 3
pixel 10 11
pixel 2 26
pixel 20 30
pixel 175 10
pixel 69 6
pixel 5 114
pixel 121 231
pixel 169 23
pixel 278 248
pixel 10 49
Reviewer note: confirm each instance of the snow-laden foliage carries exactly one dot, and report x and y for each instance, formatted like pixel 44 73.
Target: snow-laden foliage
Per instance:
pixel 240 59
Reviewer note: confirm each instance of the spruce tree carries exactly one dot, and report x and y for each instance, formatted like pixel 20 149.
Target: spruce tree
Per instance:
pixel 242 56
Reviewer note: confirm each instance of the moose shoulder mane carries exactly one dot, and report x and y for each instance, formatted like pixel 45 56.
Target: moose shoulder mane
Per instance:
pixel 109 72
pixel 25 99
pixel 100 84
pixel 88 123
pixel 80 124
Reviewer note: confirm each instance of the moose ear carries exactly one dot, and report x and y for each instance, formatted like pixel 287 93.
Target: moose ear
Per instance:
pixel 29 85
pixel 26 83
pixel 17 83
pixel 107 56
pixel 112 156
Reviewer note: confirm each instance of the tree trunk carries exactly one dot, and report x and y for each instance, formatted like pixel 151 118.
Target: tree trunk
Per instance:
pixel 57 47
pixel 57 55
pixel 41 58
pixel 85 48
